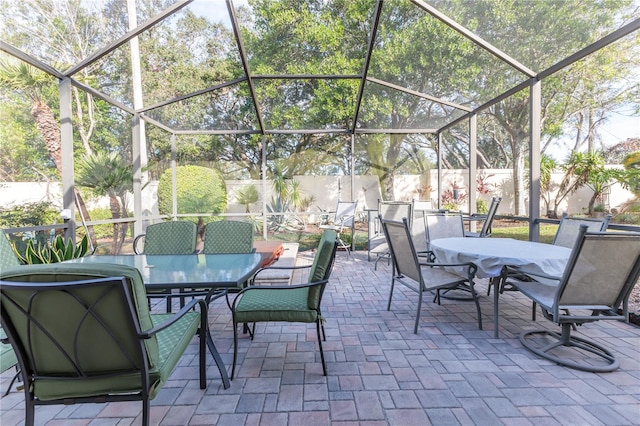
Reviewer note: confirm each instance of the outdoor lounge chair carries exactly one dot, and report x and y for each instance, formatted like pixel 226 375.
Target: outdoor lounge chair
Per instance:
pixel 83 334
pixel 228 236
pixel 345 218
pixel 291 303
pixel 485 231
pixel 598 279
pixel 422 276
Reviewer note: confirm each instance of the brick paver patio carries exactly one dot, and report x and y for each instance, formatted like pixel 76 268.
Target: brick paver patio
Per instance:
pixel 379 372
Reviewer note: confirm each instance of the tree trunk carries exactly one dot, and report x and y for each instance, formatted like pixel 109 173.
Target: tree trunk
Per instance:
pixel 50 129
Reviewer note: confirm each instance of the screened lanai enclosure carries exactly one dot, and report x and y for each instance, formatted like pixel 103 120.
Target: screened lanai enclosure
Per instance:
pixel 273 111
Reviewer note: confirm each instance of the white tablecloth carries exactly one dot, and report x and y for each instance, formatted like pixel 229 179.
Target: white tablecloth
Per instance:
pixel 491 254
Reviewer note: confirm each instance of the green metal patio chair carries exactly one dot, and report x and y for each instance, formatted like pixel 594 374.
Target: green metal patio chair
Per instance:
pixel 228 236
pixel 294 303
pixel 172 237
pixel 8 260
pixel 83 334
pixel 596 284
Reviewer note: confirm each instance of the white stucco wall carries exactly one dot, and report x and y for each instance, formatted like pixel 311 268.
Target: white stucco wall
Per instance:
pixel 326 190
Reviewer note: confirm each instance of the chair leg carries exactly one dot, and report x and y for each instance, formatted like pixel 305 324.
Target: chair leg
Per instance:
pixel 415 327
pixel 476 299
pixel 565 339
pixel 324 366
pixel 16 377
pixel 30 409
pixel 235 348
pixel 390 294
pixel 145 412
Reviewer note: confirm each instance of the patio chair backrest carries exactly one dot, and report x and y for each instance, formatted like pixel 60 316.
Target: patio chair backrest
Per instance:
pixel 75 321
pixel 324 257
pixel 173 237
pixel 8 258
pixel 228 236
pixel 418 224
pixel 443 225
pixel 491 213
pixel 569 228
pixel 602 271
pixel 402 249
pixel 346 213
pixel 395 210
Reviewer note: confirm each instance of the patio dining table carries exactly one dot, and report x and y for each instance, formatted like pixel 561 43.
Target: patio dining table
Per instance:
pixel 490 255
pixel 210 272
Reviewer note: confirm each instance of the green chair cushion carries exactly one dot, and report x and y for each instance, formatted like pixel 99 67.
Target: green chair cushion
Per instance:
pixel 322 262
pixel 168 344
pixel 275 304
pixel 172 343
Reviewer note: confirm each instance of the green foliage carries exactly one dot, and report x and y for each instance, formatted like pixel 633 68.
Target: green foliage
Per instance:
pixel 57 251
pixel 481 206
pixel 246 196
pixel 29 214
pixel 199 190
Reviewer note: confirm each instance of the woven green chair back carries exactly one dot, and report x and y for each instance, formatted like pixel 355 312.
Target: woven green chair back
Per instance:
pixel 79 321
pixel 175 237
pixel 228 236
pixel 8 258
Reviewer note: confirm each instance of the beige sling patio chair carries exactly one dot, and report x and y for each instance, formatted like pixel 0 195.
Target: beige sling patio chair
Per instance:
pixel 443 225
pixel 596 284
pixel 395 211
pixel 569 228
pixel 419 275
pixel 566 236
pixel 485 231
pixel 345 218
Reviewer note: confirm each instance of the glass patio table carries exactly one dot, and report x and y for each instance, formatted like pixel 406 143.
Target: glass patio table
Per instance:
pixel 490 255
pixel 208 272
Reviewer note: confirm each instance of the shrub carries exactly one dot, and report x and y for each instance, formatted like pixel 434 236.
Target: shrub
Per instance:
pixel 199 190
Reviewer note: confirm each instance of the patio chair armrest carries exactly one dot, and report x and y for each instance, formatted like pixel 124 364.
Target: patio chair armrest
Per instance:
pixel 471 271
pixel 426 254
pixel 187 308
pixel 135 244
pixel 278 267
